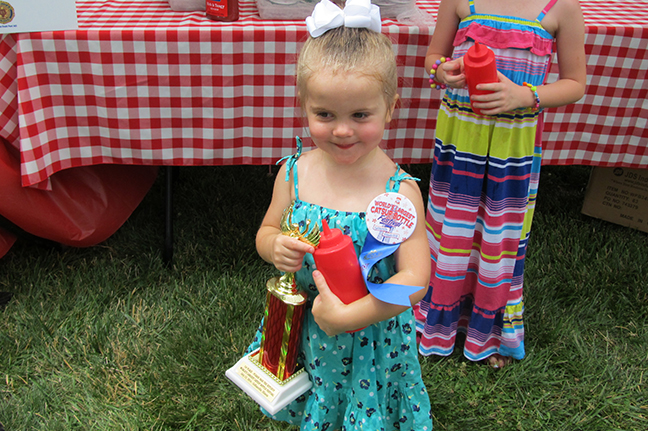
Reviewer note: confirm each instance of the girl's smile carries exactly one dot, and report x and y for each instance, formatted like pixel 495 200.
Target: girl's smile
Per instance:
pixel 344 146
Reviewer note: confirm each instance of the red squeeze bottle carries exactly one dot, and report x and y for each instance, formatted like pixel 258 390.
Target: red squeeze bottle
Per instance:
pixel 222 10
pixel 336 259
pixel 480 68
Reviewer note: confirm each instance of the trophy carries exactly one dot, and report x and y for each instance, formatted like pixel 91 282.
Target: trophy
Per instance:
pixel 269 375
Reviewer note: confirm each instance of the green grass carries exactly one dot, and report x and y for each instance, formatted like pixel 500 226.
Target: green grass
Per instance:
pixel 109 338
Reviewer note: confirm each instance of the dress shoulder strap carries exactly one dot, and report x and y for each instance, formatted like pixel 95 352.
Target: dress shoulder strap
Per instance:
pixel 471 3
pixel 291 165
pixel 394 182
pixel 546 10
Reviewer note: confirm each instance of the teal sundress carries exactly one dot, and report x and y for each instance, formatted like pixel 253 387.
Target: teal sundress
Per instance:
pixel 367 380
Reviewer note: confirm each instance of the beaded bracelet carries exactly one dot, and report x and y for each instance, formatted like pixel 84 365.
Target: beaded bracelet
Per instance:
pixel 433 83
pixel 535 93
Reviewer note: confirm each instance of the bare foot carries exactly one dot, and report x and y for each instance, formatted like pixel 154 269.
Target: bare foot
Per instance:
pixel 497 361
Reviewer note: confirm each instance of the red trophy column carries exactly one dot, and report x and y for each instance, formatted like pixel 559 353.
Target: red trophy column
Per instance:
pixel 282 326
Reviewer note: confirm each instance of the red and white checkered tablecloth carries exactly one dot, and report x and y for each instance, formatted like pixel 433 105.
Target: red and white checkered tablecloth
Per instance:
pixel 141 84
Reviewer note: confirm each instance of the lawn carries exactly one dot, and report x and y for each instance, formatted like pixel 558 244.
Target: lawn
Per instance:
pixel 111 338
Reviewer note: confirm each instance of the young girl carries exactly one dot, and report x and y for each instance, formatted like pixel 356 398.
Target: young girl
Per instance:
pixel 486 167
pixel 370 379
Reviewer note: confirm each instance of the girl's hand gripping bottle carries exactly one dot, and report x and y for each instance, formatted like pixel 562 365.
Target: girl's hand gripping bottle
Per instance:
pixel 480 68
pixel 336 259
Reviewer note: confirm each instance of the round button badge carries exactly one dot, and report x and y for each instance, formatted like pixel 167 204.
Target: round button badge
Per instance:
pixel 391 218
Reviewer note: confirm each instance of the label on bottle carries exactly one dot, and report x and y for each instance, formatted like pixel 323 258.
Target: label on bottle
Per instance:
pixel 216 8
pixel 391 218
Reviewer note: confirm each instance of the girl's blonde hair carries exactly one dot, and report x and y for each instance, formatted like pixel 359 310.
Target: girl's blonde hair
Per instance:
pixel 344 49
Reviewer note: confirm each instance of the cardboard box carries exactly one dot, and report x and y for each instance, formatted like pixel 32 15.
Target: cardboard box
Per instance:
pixel 618 195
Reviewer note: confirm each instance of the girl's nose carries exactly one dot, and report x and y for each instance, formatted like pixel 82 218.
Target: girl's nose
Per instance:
pixel 341 128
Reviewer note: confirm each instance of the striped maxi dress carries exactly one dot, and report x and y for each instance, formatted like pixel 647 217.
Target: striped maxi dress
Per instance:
pixel 482 195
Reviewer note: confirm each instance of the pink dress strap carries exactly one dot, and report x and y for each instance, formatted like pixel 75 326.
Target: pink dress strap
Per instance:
pixel 546 10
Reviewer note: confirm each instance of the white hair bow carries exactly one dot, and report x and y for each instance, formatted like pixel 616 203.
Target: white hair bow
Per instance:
pixel 357 13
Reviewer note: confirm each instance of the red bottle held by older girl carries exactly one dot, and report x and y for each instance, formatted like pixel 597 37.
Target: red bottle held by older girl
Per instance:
pixel 336 259
pixel 480 68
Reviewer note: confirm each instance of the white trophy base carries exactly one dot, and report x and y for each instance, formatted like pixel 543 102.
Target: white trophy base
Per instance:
pixel 267 390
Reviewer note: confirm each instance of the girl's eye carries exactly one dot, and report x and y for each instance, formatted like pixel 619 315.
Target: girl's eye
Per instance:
pixel 360 115
pixel 323 114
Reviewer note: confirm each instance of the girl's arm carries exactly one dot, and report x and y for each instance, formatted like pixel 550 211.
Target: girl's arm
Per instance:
pixel 441 45
pixel 570 47
pixel 285 253
pixel 412 269
pixel 570 86
pixel 444 33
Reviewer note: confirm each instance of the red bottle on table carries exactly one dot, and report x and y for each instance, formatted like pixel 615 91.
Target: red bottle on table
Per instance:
pixel 336 259
pixel 222 10
pixel 480 68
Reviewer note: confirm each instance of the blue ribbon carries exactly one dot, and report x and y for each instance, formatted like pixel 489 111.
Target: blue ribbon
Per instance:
pixel 373 251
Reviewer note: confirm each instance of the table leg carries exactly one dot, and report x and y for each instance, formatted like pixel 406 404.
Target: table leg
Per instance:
pixel 168 216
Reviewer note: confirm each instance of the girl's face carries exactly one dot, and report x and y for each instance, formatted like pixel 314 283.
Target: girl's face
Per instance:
pixel 346 114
